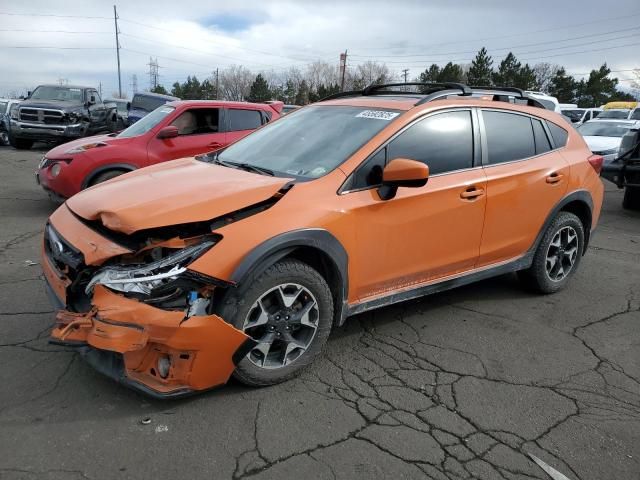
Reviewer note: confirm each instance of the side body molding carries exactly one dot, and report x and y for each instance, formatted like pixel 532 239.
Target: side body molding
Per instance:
pixel 278 247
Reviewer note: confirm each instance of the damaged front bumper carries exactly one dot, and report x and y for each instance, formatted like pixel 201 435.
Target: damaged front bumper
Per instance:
pixel 158 352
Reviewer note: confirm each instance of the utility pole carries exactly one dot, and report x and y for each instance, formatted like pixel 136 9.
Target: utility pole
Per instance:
pixel 100 89
pixel 343 69
pixel 405 73
pixel 115 22
pixel 217 84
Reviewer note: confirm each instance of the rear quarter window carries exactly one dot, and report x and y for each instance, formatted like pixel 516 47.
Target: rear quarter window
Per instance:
pixel 559 134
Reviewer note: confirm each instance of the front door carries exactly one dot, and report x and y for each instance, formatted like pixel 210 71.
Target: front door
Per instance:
pixel 423 233
pixel 198 132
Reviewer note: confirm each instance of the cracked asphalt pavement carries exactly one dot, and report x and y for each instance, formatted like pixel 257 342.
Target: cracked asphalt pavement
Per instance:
pixel 463 384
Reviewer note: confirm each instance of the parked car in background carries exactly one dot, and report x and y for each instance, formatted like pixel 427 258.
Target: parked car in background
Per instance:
pixel 624 171
pixel 174 130
pixel 578 116
pixel 175 277
pixel 635 114
pixel 604 136
pixel 617 105
pixel 615 114
pixel 56 113
pixel 144 103
pixel 122 108
pixel 5 108
pixel 549 102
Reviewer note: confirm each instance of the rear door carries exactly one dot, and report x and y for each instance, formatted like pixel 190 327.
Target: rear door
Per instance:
pixel 97 112
pixel 526 177
pixel 241 122
pixel 199 131
pixel 423 233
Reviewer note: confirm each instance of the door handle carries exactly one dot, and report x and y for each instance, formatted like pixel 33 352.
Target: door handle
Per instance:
pixel 554 177
pixel 214 145
pixel 472 193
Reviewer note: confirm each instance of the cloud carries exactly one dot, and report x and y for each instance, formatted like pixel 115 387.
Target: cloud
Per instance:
pixel 195 37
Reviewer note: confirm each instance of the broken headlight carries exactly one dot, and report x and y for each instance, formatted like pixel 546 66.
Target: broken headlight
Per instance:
pixel 145 278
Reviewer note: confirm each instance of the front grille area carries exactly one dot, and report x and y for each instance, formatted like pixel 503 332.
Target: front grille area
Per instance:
pixel 41 115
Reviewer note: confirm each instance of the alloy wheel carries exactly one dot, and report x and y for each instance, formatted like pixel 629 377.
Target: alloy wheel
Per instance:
pixel 283 321
pixel 562 253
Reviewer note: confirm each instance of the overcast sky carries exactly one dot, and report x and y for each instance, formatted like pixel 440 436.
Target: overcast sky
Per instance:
pixel 195 37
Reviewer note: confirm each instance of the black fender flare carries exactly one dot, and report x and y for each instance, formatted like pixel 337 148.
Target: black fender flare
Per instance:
pixel 270 251
pixel 582 196
pixel 111 166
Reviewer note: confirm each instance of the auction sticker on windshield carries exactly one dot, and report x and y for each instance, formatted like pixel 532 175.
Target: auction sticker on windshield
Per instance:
pixel 378 114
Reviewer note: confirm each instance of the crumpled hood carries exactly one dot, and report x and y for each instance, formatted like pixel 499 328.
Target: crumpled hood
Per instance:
pixel 599 144
pixel 61 150
pixel 172 193
pixel 53 104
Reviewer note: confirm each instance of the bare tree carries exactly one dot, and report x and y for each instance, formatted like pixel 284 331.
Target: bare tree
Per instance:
pixel 321 73
pixel 544 72
pixel 235 82
pixel 367 73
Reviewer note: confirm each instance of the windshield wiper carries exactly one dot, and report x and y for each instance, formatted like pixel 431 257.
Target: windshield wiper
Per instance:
pixel 244 166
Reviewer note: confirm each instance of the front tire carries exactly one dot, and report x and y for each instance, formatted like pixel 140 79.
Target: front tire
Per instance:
pixel 631 199
pixel 288 310
pixel 103 177
pixel 20 143
pixel 558 255
pixel 4 137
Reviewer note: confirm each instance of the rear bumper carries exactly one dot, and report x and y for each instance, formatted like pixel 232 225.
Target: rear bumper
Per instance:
pixel 621 174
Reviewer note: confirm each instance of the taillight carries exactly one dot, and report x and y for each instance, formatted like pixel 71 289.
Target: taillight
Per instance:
pixel 596 162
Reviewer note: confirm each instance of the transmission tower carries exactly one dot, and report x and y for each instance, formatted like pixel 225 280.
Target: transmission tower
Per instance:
pixel 134 83
pixel 153 72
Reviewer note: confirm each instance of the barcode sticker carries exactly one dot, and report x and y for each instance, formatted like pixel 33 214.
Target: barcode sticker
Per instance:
pixel 378 114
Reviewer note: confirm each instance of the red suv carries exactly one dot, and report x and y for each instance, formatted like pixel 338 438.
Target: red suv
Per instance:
pixel 174 130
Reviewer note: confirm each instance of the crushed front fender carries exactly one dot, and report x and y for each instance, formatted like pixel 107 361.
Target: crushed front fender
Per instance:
pixel 126 339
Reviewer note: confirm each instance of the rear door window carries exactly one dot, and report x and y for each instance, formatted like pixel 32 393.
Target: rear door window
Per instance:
pixel 244 119
pixel 509 137
pixel 443 141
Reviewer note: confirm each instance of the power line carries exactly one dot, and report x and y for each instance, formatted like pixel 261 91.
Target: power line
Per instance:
pixel 47 47
pixel 512 47
pixel 564 27
pixel 50 31
pixel 51 15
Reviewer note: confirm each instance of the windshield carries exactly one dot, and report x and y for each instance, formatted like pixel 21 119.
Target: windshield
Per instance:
pixel 616 114
pixel 121 105
pixel 574 115
pixel 635 115
pixel 604 129
pixel 59 94
pixel 147 104
pixel 309 142
pixel 146 123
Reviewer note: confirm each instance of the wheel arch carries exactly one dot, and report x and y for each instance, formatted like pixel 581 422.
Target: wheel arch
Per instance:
pixel 126 167
pixel 316 247
pixel 580 203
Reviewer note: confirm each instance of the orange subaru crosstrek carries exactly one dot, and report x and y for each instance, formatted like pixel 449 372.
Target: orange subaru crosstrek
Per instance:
pixel 172 278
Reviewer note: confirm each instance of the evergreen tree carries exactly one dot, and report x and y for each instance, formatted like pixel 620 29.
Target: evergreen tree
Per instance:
pixel 563 86
pixel 599 88
pixel 430 75
pixel 527 79
pixel 481 69
pixel 259 90
pixel 451 73
pixel 302 95
pixel 289 92
pixel 508 72
pixel 159 89
pixel 176 90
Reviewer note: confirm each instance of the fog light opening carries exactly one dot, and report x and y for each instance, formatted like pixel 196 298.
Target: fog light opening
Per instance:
pixel 164 364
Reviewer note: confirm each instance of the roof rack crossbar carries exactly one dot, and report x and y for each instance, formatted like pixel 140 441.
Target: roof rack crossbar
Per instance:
pixel 371 89
pixel 519 91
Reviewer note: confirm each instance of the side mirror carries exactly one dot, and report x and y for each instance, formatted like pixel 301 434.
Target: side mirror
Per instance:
pixel 128 106
pixel 402 172
pixel 92 100
pixel 168 132
pixel 28 93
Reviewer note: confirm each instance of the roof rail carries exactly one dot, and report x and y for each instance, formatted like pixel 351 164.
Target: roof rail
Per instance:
pixel 439 90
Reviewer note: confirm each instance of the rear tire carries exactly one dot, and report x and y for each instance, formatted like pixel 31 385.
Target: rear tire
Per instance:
pixel 558 255
pixel 291 337
pixel 631 199
pixel 104 176
pixel 4 138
